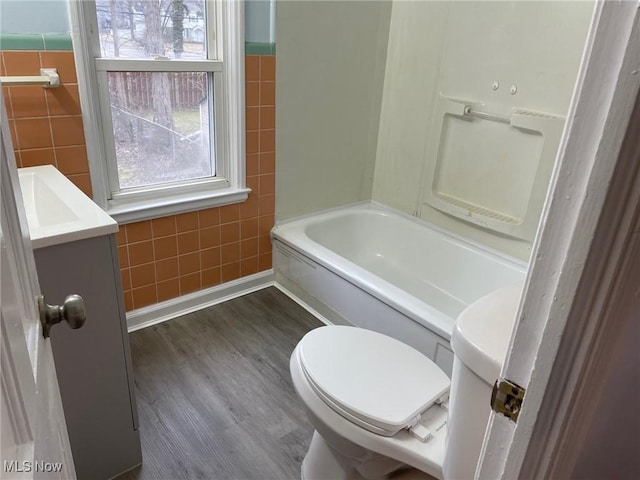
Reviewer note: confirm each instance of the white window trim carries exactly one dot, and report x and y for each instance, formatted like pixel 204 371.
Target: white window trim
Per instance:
pixel 226 188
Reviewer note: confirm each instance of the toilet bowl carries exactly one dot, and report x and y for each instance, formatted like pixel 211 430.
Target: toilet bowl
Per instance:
pixel 382 409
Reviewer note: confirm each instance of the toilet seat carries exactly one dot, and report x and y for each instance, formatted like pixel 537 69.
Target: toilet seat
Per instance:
pixel 372 380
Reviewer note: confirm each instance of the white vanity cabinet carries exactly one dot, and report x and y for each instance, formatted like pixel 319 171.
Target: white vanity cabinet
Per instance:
pixel 75 251
pixel 93 363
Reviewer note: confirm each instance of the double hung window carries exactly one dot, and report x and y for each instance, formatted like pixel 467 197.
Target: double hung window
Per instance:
pixel 162 82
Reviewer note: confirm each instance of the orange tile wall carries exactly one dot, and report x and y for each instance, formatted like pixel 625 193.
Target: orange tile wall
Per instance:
pixel 170 256
pixel 46 123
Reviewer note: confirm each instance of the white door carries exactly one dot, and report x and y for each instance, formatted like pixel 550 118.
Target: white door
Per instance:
pixel 582 289
pixel 34 440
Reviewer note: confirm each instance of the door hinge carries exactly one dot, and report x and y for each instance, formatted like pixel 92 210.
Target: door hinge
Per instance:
pixel 506 398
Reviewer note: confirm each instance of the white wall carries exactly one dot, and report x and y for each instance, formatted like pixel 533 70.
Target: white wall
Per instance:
pixel 460 49
pixel 330 64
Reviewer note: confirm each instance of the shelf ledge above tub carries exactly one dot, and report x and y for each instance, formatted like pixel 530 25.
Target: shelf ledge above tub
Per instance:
pixel 477 210
pixel 490 166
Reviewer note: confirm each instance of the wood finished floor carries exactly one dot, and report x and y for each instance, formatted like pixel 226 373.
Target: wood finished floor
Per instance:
pixel 215 399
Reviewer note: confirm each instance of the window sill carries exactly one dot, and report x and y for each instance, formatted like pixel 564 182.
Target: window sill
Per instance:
pixel 148 209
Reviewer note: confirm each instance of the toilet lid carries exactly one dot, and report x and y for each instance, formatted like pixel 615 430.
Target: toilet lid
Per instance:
pixel 373 380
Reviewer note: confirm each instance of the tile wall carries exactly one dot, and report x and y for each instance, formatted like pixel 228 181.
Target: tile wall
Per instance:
pixel 170 256
pixel 46 123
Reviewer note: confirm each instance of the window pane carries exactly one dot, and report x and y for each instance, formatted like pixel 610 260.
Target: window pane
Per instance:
pixel 161 126
pixel 144 29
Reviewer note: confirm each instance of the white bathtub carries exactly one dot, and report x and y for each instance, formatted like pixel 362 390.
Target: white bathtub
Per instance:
pixel 374 267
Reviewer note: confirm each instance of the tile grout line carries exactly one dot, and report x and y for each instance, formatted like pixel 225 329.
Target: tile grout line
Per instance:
pixel 153 250
pixel 126 242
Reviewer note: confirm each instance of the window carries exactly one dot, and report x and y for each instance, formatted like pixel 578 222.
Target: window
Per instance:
pixel 162 91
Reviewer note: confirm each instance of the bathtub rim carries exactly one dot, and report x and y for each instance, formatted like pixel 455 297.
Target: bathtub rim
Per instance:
pixel 378 206
pixel 291 233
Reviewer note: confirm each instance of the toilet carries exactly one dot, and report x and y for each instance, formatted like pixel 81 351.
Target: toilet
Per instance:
pixel 381 409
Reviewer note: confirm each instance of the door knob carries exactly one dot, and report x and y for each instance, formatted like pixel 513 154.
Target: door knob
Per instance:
pixel 72 310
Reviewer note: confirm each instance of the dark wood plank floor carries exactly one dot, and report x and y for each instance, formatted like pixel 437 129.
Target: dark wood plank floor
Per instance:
pixel 215 399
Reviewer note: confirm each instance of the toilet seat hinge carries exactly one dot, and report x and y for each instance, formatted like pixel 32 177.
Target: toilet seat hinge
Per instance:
pixel 420 432
pixel 443 401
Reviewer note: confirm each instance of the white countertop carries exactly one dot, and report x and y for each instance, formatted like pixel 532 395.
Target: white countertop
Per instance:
pixel 58 211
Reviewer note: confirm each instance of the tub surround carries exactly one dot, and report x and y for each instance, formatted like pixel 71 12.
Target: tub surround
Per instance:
pixel 378 268
pixel 458 59
pixel 369 135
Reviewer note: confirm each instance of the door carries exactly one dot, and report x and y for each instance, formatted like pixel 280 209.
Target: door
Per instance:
pixel 581 293
pixel 34 440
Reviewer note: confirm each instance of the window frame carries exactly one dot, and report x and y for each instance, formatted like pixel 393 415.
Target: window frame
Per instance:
pixel 227 89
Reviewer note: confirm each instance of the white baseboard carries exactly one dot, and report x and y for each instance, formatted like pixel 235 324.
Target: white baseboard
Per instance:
pixel 175 307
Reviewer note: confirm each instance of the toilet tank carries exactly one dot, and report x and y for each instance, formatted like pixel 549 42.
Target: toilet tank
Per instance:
pixel 480 340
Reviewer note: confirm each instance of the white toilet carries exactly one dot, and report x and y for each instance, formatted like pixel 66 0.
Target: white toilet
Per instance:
pixel 382 409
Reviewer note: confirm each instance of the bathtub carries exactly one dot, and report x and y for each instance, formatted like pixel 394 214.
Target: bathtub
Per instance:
pixel 377 268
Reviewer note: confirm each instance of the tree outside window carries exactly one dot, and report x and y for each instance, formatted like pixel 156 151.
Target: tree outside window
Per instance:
pixel 161 120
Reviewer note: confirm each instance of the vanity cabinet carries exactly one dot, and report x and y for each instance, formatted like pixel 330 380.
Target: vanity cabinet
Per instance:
pixel 93 363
